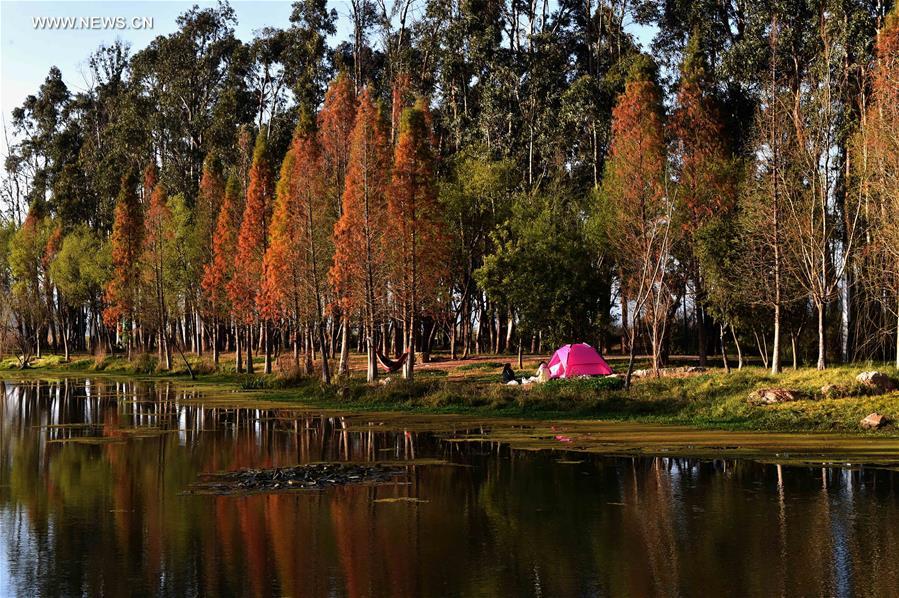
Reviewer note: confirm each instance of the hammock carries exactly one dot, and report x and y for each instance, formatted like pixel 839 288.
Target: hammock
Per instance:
pixel 391 365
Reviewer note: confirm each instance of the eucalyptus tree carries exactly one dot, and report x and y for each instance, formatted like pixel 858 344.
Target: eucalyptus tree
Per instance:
pixel 193 83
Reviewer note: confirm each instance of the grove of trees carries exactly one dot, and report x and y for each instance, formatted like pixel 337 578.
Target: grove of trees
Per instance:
pixel 474 176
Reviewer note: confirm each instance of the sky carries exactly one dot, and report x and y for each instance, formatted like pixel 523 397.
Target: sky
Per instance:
pixel 28 51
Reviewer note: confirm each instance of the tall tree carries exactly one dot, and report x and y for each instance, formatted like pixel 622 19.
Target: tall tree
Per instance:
pixel 307 55
pixel 195 84
pixel 335 130
pixel 122 291
pixel 218 272
pixel 298 258
pixel 823 234
pixel 28 265
pixel 701 168
pixel 878 155
pixel 635 186
pixel 157 248
pixel 79 271
pixel 359 259
pixel 415 236
pixel 252 243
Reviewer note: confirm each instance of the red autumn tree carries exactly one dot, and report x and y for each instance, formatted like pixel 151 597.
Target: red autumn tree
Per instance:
pixel 335 124
pixel 415 240
pixel 335 128
pixel 879 163
pixel 157 248
pixel 281 293
pixel 252 242
pixel 705 184
pixel 359 270
pixel 401 97
pixel 634 186
pixel 297 260
pixel 220 269
pixel 209 205
pixel 151 177
pixel 121 294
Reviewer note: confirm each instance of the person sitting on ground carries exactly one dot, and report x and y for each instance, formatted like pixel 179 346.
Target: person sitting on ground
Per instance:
pixel 543 374
pixel 508 374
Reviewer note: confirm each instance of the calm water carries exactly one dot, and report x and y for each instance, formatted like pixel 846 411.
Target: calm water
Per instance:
pixel 110 516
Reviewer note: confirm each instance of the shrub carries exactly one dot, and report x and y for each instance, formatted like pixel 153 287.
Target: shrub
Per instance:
pixel 144 363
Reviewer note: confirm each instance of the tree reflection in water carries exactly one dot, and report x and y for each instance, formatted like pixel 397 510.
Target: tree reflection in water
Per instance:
pixel 93 474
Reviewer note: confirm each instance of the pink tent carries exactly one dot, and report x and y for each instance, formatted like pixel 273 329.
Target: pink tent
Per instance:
pixel 577 360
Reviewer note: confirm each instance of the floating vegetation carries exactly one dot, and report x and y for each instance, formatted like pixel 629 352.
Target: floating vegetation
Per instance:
pixel 397 499
pixel 68 426
pixel 637 439
pixel 86 440
pixel 301 477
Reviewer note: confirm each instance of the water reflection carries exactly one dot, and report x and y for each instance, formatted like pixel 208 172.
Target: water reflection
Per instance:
pixel 93 474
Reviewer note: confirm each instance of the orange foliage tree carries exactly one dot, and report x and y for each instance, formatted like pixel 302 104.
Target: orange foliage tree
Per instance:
pixel 219 270
pixel 335 128
pixel 157 245
pixel 209 205
pixel 121 293
pixel 335 124
pixel 252 242
pixel 358 271
pixel 705 185
pixel 879 162
pixel 635 187
pixel 416 245
pixel 297 260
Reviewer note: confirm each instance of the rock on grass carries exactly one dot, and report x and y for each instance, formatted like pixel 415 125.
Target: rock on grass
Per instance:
pixel 771 396
pixel 874 421
pixel 877 380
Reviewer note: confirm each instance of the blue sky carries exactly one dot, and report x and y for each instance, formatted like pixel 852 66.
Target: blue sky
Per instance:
pixel 27 53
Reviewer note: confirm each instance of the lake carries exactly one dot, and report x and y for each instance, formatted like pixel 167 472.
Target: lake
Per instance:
pixel 99 496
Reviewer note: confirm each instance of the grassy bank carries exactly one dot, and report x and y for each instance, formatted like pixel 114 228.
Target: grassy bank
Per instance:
pixel 708 400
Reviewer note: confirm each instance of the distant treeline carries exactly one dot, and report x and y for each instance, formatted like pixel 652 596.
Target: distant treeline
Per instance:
pixel 477 176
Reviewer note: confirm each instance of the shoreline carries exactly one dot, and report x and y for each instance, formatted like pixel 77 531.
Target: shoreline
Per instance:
pixel 711 400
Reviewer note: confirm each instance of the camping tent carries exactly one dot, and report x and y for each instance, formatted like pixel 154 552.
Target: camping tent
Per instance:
pixel 577 360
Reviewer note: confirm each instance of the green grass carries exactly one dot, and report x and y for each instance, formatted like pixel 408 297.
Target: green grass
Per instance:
pixel 711 400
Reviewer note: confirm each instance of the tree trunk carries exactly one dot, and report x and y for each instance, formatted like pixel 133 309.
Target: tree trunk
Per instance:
pixel 733 333
pixel 775 349
pixel 65 342
pixel 168 351
pixel 822 346
pixel 625 334
pixel 452 341
pixel 371 358
pixel 763 351
pixel 267 343
pixel 409 366
pixel 343 368
pixel 310 349
pixel 702 348
pixel 323 351
pixel 216 331
pixel 724 349
pixel 238 350
pixel 630 359
pixel 250 349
